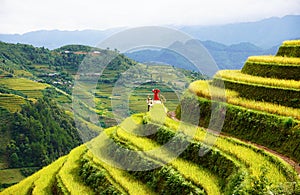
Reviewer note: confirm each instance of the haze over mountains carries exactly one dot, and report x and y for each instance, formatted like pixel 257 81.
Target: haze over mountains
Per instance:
pixel 229 45
pixel 265 33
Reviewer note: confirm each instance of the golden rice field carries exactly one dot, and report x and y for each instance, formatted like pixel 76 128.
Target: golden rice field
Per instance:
pixel 242 153
pixel 237 75
pixel 22 84
pixel 11 102
pixel 32 93
pixel 203 89
pixel 291 43
pixel 122 178
pixel 188 169
pixel 278 60
pixel 64 171
pixel 38 183
pixel 70 180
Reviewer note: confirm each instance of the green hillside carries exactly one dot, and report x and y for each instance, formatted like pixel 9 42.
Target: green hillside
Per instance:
pixel 263 109
pixel 230 167
pixel 35 128
pixel 37 122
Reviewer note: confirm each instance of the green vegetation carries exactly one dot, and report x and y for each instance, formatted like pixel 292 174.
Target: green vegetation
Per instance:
pixel 204 88
pixel 69 173
pixel 35 133
pixel 9 177
pixel 237 75
pixel 37 130
pixel 11 102
pixel 277 95
pixel 280 67
pixel 244 169
pixel 39 134
pixel 22 84
pixel 273 131
pixel 276 60
pixel 39 183
pixel 290 48
pixel 291 43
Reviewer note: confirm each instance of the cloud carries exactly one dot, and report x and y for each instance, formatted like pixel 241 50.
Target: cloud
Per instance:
pixel 17 16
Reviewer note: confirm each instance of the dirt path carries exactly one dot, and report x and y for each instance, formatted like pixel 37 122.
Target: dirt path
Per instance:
pixel 293 163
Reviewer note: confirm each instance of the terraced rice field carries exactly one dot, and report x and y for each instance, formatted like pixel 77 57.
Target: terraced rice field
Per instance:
pixel 237 75
pixel 83 171
pixel 11 102
pixel 204 88
pixel 278 60
pixel 22 84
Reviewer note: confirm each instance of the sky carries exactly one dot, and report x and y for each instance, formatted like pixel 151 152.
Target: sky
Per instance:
pixel 20 16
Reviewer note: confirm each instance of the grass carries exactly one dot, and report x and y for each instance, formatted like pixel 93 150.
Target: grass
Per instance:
pixel 22 84
pixel 169 80
pixel 278 60
pixel 38 183
pixel 11 102
pixel 44 183
pixel 237 75
pixel 252 157
pixel 32 93
pixel 291 43
pixel 69 173
pixel 66 168
pixel 203 89
pixel 123 178
pixel 187 169
pixel 10 176
pixel 23 73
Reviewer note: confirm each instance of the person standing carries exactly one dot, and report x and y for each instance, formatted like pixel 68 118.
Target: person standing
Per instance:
pixel 149 102
pixel 156 98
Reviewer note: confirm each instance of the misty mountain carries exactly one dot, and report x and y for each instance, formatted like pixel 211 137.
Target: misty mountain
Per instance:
pixel 226 56
pixel 265 33
pixel 53 39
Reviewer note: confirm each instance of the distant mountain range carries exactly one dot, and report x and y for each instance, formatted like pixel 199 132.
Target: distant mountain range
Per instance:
pixel 229 45
pixel 265 33
pixel 53 39
pixel 226 57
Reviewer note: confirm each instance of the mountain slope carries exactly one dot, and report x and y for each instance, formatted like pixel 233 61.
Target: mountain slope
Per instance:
pixel 230 166
pixel 264 95
pixel 224 169
pixel 37 118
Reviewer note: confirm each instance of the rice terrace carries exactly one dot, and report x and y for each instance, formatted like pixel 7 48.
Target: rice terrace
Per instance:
pixel 257 152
